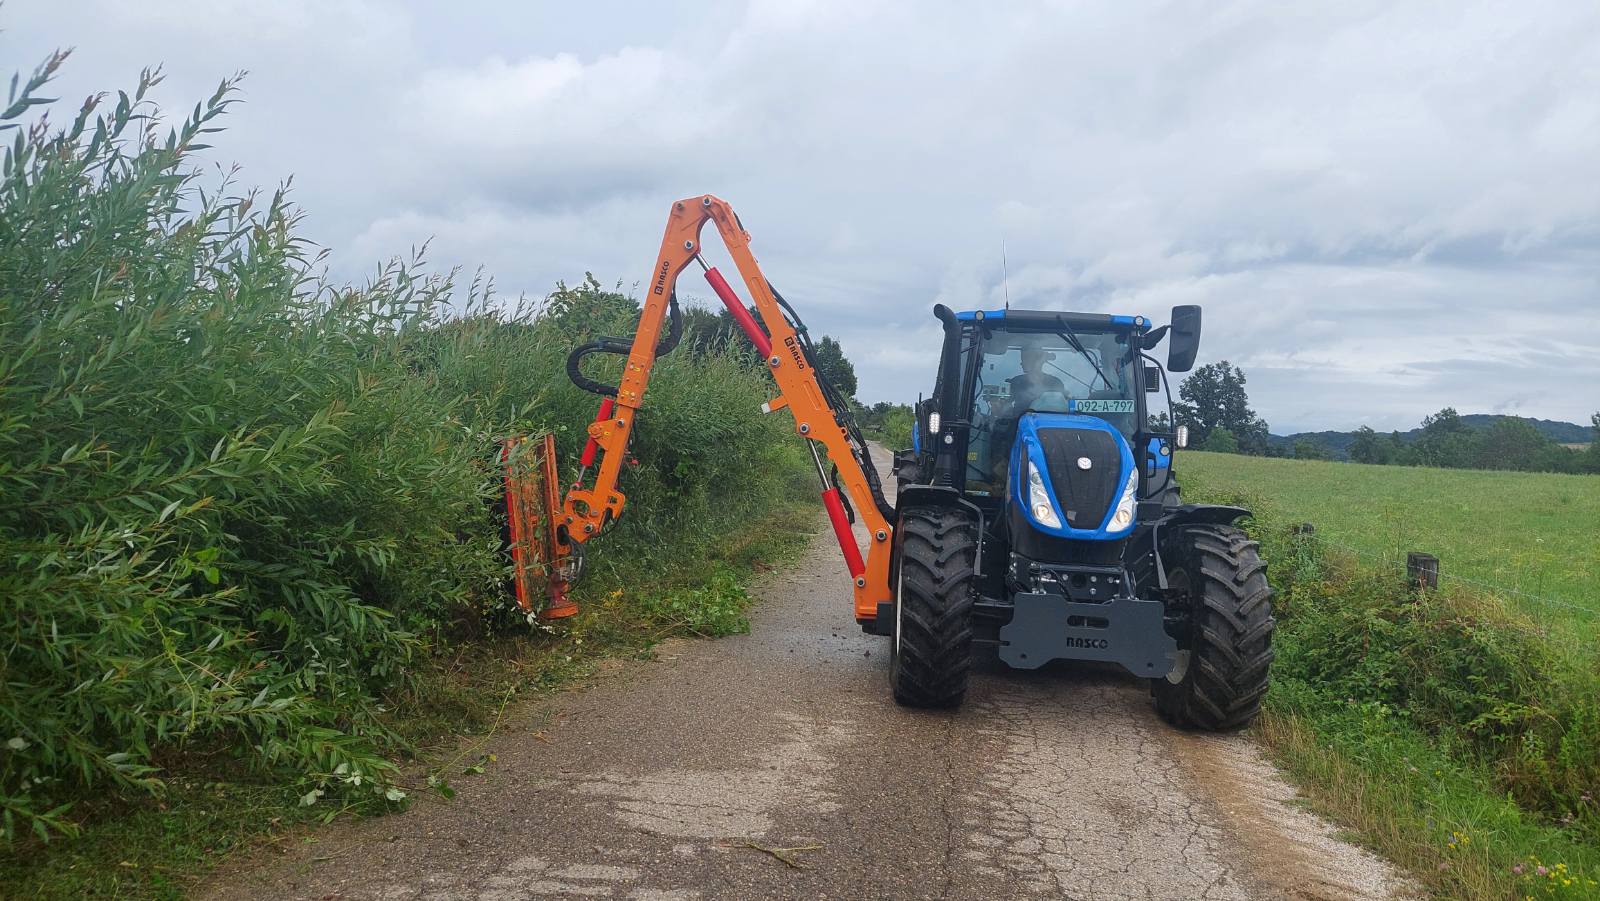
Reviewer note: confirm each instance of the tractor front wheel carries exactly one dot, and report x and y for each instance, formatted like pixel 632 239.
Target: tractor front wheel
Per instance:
pixel 933 608
pixel 1220 583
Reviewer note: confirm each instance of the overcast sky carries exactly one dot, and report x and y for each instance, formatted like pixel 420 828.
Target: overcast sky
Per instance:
pixel 1385 208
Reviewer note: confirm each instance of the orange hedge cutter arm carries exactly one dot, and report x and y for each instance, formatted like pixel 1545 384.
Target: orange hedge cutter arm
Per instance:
pixel 586 511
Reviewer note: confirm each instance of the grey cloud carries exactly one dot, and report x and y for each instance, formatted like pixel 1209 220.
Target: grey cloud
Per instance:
pixel 1386 208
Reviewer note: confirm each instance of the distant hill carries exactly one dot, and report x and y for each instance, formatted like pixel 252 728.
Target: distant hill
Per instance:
pixel 1338 443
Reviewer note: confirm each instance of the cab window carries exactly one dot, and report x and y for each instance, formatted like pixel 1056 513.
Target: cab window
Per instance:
pixel 1043 372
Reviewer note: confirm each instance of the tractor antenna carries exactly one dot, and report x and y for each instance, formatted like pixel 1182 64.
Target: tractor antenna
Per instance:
pixel 1005 275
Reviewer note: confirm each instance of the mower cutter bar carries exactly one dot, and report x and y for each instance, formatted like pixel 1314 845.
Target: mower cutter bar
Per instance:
pixel 532 502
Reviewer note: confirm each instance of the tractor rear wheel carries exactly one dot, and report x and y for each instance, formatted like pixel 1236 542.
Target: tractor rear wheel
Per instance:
pixel 1220 582
pixel 933 608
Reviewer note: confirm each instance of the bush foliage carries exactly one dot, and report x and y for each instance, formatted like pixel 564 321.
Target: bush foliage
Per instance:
pixel 889 423
pixel 237 501
pixel 1467 713
pixel 1486 682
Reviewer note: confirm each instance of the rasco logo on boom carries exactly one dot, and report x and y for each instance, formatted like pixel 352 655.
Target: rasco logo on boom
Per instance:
pixel 794 351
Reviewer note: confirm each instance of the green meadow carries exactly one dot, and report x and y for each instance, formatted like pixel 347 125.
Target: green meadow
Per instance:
pixel 1519 533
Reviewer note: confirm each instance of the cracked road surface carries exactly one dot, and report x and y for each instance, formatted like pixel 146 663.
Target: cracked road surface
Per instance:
pixel 775 765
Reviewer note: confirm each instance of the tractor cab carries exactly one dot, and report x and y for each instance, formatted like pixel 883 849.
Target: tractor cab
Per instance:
pixel 1025 380
pixel 1024 399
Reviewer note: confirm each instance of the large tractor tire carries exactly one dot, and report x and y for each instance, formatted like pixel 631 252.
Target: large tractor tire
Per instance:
pixel 1223 657
pixel 933 608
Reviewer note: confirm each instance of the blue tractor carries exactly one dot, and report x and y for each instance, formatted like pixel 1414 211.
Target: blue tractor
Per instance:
pixel 1038 514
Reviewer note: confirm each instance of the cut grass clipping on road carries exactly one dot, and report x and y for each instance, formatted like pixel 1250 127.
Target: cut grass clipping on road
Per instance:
pixel 1456 731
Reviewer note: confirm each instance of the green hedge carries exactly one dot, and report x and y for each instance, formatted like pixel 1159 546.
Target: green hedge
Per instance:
pixel 237 502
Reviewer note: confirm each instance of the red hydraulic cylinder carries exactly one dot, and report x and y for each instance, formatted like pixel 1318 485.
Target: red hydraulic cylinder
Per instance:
pixel 740 314
pixel 841 528
pixel 591 445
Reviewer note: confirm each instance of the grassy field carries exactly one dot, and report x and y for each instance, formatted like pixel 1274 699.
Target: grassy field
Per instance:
pixel 1457 731
pixel 1521 532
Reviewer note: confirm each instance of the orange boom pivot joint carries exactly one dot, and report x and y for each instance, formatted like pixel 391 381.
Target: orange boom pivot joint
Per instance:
pixel 821 415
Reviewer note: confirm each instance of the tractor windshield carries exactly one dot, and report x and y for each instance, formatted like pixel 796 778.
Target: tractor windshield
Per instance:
pixel 1080 371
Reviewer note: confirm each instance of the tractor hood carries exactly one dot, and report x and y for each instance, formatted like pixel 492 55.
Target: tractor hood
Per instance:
pixel 1070 473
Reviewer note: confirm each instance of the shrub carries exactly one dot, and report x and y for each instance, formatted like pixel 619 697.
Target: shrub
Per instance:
pixel 236 501
pixel 897 428
pixel 1220 441
pixel 1487 683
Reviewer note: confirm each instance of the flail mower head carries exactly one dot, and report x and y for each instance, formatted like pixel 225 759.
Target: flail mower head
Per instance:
pixel 543 565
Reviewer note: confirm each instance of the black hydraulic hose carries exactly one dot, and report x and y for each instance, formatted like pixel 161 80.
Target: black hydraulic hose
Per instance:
pixel 844 496
pixel 601 346
pixel 621 346
pixel 674 326
pixel 841 412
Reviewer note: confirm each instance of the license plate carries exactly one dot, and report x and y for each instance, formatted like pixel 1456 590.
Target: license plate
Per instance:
pixel 1102 406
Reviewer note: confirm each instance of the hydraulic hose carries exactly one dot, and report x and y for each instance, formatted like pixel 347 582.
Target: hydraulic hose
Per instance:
pixel 841 410
pixel 621 347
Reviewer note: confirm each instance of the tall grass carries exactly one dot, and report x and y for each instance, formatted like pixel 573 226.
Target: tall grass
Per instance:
pixel 1458 731
pixel 238 502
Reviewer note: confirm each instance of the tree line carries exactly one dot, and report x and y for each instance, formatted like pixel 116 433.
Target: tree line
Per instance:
pixel 706 332
pixel 1214 405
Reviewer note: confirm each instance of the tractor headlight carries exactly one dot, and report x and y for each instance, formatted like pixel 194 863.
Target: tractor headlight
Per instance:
pixel 1123 518
pixel 1044 512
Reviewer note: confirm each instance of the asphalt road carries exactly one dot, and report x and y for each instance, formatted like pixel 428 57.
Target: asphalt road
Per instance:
pixel 688 776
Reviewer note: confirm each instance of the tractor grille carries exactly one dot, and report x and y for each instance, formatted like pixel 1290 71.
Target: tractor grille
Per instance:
pixel 1084 494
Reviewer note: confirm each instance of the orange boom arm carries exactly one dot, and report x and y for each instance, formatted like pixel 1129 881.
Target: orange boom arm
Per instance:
pixel 819 415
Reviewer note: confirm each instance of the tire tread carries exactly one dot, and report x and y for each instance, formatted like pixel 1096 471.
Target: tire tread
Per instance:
pixel 934 652
pixel 1231 644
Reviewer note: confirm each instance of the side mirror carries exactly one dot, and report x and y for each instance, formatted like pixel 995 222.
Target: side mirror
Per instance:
pixel 1182 436
pixel 1152 379
pixel 1185 338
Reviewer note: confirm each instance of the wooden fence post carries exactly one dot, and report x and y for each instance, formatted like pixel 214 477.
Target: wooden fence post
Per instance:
pixel 1422 570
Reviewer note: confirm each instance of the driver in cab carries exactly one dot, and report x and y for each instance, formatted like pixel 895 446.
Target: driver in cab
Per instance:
pixel 1033 381
pixel 1026 389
